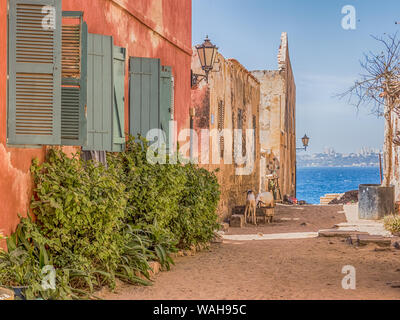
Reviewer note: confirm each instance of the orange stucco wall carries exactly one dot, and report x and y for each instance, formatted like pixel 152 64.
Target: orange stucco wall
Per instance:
pixel 146 28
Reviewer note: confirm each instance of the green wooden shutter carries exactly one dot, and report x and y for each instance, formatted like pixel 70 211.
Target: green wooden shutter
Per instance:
pixel 74 81
pixel 144 92
pixel 165 100
pixel 119 100
pixel 100 93
pixel 34 60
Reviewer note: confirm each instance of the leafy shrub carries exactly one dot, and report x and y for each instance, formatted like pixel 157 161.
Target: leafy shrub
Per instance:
pixel 153 190
pixel 23 263
pixel 392 224
pixel 94 224
pixel 175 201
pixel 197 220
pixel 140 249
pixel 80 212
pixel 80 209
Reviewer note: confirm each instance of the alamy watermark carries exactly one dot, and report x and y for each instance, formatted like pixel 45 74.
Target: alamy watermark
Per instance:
pixel 349 281
pixel 49 278
pixel 49 20
pixel 225 147
pixel 349 21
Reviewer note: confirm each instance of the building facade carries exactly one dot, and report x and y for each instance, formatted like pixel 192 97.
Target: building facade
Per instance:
pixel 278 123
pixel 228 102
pixel 83 74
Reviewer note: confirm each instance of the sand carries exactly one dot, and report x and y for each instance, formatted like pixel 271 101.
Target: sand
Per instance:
pixel 278 269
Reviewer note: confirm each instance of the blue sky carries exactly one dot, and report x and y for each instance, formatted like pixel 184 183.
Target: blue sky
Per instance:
pixel 324 56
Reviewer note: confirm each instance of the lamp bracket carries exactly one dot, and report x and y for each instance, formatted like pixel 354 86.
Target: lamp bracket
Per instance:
pixel 197 78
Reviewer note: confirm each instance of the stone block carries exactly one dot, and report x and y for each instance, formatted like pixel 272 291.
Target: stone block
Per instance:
pixel 366 239
pixel 236 221
pixel 224 226
pixel 6 294
pixel 333 233
pixel 217 238
pixel 238 210
pixel 378 240
pixel 155 268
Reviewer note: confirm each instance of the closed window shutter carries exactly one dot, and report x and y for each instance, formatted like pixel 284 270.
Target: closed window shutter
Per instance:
pixel 34 58
pixel 240 119
pixel 144 92
pixel 255 135
pixel 221 126
pixel 74 80
pixel 240 126
pixel 119 100
pixel 172 98
pixel 165 100
pixel 100 93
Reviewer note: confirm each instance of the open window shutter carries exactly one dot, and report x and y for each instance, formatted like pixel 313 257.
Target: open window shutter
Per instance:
pixel 34 106
pixel 144 92
pixel 100 93
pixel 74 80
pixel 165 100
pixel 119 100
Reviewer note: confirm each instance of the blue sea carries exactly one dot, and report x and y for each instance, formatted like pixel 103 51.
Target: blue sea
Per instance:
pixel 313 183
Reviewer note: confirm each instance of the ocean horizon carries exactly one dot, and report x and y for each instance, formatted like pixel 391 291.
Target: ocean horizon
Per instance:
pixel 315 182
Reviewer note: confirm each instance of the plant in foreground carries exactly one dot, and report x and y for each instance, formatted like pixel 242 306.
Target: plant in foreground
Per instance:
pixel 392 224
pixel 94 224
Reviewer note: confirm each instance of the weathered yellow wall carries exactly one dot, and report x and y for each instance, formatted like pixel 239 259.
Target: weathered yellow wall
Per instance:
pixel 234 86
pixel 278 121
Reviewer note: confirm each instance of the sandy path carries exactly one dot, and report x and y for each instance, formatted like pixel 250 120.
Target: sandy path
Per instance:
pixel 278 269
pixel 304 219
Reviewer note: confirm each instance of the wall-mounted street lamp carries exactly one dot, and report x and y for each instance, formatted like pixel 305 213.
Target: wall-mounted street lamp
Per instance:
pixel 306 141
pixel 207 53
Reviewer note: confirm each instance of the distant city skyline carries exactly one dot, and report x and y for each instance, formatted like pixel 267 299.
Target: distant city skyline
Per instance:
pixel 362 150
pixel 365 157
pixel 325 57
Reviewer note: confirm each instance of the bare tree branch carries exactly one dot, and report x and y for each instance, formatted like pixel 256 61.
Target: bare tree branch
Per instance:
pixel 379 84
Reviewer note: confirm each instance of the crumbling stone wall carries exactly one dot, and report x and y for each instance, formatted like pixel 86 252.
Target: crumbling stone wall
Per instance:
pixel 236 92
pixel 278 121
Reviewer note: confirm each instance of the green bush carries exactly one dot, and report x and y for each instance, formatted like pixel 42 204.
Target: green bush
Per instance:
pixel 197 220
pixel 153 190
pixel 22 266
pixel 392 224
pixel 176 201
pixel 80 212
pixel 80 209
pixel 94 224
